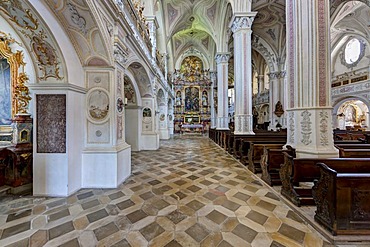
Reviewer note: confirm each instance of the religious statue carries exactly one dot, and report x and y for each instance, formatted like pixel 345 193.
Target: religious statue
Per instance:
pixel 178 98
pixel 279 109
pixel 204 98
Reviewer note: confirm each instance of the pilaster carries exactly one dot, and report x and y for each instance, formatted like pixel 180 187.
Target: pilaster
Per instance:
pixel 241 26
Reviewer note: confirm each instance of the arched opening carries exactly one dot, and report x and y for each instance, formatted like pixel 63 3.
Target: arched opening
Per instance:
pixel 132 115
pixel 353 114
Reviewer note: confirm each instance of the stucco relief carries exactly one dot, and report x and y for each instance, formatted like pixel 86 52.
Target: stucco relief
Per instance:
pixel 51 123
pixel 306 128
pixel 26 21
pixel 81 26
pixel 324 126
pixel 240 23
pixel 119 127
pixel 291 127
pixel 77 19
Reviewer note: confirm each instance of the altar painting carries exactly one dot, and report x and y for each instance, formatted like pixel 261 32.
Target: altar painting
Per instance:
pixel 192 99
pixel 5 101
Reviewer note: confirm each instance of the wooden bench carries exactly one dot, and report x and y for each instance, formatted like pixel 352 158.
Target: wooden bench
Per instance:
pixel 298 170
pixel 255 153
pixel 342 198
pixel 271 161
pixel 241 142
pixel 354 153
pixel 353 146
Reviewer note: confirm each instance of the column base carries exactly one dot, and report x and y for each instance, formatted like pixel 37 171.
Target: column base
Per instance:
pixel 310 132
pixel 244 125
pixel 317 153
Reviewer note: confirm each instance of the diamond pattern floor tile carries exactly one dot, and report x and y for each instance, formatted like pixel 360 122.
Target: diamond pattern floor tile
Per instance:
pixel 184 194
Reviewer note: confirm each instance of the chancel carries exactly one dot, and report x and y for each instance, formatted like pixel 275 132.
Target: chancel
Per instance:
pixel 184 123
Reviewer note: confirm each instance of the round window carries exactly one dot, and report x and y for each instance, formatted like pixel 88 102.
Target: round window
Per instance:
pixel 352 51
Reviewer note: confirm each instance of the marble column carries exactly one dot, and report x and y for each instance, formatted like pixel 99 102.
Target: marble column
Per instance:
pixel 308 77
pixel 213 109
pixel 222 60
pixel 242 29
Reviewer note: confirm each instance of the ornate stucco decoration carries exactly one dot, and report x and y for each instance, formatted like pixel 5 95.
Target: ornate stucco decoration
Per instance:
pixel 40 43
pixel 258 45
pixel 324 126
pixel 222 58
pixel 291 127
pixel 85 31
pixel 244 22
pixel 141 42
pixel 19 91
pixel 77 19
pixel 306 127
pixel 120 52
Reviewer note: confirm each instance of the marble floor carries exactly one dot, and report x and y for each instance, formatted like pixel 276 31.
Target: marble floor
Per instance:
pixel 189 193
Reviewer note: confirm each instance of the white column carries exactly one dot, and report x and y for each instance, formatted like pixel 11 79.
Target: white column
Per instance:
pixel 261 83
pixel 213 112
pixel 308 70
pixel 242 29
pixel 367 121
pixel 273 98
pixel 222 60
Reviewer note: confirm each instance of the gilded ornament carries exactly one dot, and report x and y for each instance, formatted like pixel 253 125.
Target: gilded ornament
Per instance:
pixel 19 91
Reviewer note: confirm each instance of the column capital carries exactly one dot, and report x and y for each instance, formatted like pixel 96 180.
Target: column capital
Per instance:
pixel 222 57
pixel 277 75
pixel 242 21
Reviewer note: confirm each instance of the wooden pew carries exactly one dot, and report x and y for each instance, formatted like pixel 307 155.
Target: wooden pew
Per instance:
pixel 353 146
pixel 255 153
pixel 241 142
pixel 342 198
pixel 271 161
pixel 297 170
pixel 354 153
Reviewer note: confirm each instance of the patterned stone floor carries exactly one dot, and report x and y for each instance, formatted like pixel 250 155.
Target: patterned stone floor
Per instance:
pixel 189 193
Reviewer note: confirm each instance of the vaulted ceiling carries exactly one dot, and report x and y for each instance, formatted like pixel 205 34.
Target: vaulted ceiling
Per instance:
pixel 198 24
pixel 191 24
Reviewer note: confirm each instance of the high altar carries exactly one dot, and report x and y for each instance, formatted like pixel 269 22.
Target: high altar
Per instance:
pixel 192 108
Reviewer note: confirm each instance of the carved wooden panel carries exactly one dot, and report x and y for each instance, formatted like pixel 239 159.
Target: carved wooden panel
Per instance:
pixel 51 123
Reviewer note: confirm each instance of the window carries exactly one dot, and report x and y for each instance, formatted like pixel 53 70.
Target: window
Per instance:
pixel 354 50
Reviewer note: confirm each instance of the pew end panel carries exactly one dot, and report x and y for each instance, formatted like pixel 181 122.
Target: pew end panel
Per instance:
pixel 343 201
